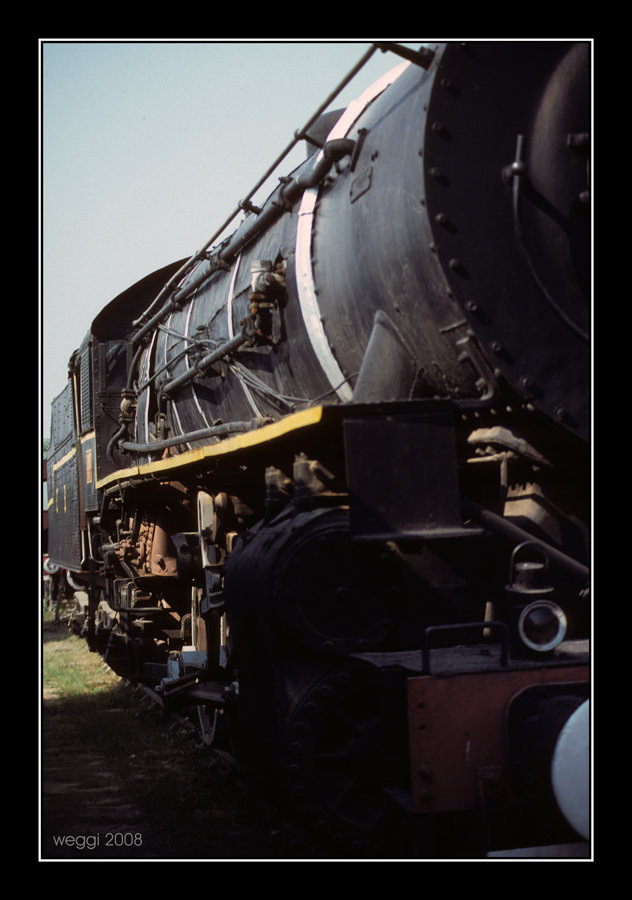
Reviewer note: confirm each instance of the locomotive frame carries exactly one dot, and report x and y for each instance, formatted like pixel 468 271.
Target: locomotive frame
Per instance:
pixel 356 547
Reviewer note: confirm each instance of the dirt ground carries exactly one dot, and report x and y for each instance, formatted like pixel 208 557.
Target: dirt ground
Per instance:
pixel 119 781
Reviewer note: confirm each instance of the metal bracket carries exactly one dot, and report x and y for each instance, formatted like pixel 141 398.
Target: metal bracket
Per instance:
pixel 422 57
pixel 470 626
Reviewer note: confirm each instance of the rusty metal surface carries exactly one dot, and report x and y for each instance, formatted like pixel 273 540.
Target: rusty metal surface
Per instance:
pixel 457 733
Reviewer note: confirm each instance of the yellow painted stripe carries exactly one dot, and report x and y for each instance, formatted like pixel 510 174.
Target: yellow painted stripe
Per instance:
pixel 90 458
pixel 240 441
pixel 89 436
pixel 88 466
pixel 64 459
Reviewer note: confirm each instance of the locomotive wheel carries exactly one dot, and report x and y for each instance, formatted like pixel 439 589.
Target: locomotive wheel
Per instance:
pixel 331 595
pixel 345 765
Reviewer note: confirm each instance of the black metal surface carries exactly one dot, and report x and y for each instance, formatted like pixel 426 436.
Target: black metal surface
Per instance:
pixel 416 224
pixel 372 227
pixel 510 279
pixel 401 474
pixel 64 541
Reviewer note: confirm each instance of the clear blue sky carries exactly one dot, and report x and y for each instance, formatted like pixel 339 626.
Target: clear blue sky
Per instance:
pixel 147 147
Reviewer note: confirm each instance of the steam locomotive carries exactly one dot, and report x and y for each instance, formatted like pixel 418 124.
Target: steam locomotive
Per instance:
pixel 326 484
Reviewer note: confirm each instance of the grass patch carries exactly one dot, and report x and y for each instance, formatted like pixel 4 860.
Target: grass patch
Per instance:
pixel 185 805
pixel 106 711
pixel 68 668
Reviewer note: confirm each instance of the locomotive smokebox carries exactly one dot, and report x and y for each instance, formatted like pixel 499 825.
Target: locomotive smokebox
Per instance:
pixel 473 189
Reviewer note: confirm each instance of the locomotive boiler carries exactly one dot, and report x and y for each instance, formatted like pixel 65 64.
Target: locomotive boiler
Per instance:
pixel 326 484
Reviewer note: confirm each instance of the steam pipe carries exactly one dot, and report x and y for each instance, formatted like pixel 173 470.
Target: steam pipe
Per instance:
pixel 285 196
pixel 213 431
pixel 206 361
pixel 297 136
pixel 503 526
pixel 114 441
